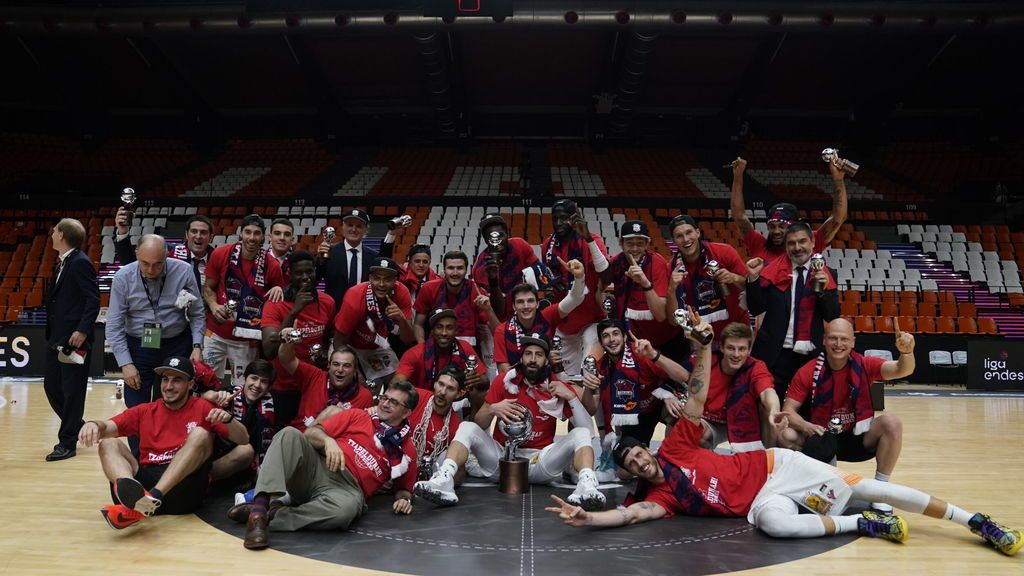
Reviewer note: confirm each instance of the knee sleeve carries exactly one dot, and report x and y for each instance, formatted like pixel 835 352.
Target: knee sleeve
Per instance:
pixel 780 518
pixel 467 434
pixel 580 438
pixel 897 495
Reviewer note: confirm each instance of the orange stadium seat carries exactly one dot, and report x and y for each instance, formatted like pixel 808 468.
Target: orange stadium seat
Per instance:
pixel 987 326
pixel 926 324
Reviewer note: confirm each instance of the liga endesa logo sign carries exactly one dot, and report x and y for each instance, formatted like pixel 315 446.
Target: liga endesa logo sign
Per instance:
pixel 995 365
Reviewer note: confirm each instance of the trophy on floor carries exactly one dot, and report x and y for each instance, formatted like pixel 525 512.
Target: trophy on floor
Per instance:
pixel 515 472
pixel 831 156
pixel 128 199
pixel 711 268
pixel 816 264
pixel 682 318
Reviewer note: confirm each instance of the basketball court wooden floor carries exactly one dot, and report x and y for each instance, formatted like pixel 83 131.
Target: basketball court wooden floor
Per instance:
pixel 965 449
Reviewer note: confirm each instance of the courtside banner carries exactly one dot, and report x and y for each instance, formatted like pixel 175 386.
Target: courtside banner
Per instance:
pixel 23 351
pixel 995 365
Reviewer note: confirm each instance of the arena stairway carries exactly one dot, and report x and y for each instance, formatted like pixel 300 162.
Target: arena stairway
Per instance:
pixel 1009 319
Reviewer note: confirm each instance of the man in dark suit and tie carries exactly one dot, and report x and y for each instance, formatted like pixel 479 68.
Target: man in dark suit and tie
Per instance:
pixel 72 304
pixel 346 263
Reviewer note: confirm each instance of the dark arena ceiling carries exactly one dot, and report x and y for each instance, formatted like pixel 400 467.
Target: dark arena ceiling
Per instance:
pixel 553 68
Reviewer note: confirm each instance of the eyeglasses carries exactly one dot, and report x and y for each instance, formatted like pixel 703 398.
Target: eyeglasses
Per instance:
pixel 384 399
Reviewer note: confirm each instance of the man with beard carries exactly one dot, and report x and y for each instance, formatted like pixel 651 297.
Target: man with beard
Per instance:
pixel 333 468
pixel 282 237
pixel 305 309
pixel 640 276
pixel 346 263
pixel 434 422
pixel 708 276
pixel 423 363
pixel 765 486
pixel 175 444
pixel 246 275
pixel 573 240
pixel 371 312
pixel 526 386
pixel 782 215
pixel 528 318
pixel 196 250
pixel 339 386
pixel 838 386
pixel 742 406
pixel 796 302
pixel 462 295
pixel 634 383
pixel 500 264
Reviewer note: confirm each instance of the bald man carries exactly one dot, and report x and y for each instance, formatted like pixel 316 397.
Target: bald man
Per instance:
pixel 838 386
pixel 156 311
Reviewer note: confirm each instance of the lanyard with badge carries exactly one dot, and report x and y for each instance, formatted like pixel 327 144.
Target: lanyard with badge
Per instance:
pixel 152 331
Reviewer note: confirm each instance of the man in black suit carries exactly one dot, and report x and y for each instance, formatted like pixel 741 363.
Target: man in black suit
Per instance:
pixel 346 263
pixel 796 299
pixel 72 304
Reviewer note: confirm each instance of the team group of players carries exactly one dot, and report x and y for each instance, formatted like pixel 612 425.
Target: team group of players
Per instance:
pixel 392 378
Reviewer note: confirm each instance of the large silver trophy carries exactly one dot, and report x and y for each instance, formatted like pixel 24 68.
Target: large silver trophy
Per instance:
pixel 515 471
pixel 831 156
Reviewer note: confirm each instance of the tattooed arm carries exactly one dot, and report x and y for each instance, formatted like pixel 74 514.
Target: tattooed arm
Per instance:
pixel 635 514
pixel 697 387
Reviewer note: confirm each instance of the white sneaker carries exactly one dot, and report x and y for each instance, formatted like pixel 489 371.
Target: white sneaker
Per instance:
pixel 587 496
pixel 881 507
pixel 440 490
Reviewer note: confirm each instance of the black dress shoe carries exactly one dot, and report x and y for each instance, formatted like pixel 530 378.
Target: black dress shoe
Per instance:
pixel 60 453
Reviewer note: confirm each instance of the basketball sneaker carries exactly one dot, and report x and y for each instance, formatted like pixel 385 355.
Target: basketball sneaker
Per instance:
pixel 130 492
pixel 119 516
pixel 586 495
pixel 440 490
pixel 885 526
pixel 1005 540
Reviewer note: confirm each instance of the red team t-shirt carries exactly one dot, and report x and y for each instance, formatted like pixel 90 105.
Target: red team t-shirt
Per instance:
pixel 590 310
pixel 550 315
pixel 312 322
pixel 436 423
pixel 312 382
pixel 800 388
pixel 714 406
pixel 217 268
pixel 657 332
pixel 543 423
pixel 727 484
pixel 465 321
pixel 413 365
pixel 162 431
pixel 354 432
pixel 757 246
pixel 351 319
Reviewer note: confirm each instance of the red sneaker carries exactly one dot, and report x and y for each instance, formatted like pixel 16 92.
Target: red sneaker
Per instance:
pixel 120 516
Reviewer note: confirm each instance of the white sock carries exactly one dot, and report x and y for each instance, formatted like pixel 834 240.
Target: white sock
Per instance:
pixel 845 524
pixel 449 468
pixel 957 514
pixel 881 477
pixel 285 500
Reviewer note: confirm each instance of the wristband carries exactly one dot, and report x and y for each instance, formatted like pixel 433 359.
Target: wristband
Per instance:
pixel 656 357
pixel 649 288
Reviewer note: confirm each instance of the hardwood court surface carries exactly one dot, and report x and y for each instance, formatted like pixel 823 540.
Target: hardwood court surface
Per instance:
pixel 967 450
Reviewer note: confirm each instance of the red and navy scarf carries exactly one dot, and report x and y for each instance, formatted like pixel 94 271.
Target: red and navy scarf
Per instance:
pixel 511 272
pixel 553 248
pixel 390 440
pixel 822 396
pixel 432 361
pixel 258 419
pixel 629 296
pixel 700 290
pixel 377 321
pixel 464 307
pixel 622 382
pixel 342 397
pixel 249 291
pixel 414 282
pixel 690 499
pixel 513 334
pixel 780 274
pixel 743 423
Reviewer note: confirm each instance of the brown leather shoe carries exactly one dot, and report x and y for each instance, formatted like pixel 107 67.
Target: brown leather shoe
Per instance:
pixel 240 512
pixel 256 533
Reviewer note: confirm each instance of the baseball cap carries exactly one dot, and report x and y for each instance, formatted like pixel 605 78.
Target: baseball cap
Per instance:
pixel 178 364
pixel 621 449
pixel 438 313
pixel 535 339
pixel 382 263
pixel 491 219
pixel 634 228
pixel 356 213
pixel 783 212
